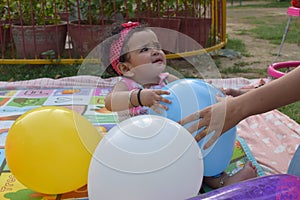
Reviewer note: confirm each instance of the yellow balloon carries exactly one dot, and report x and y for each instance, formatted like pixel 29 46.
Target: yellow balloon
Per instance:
pixel 49 149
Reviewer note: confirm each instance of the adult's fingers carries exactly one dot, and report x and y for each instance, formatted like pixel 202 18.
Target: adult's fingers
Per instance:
pixel 192 117
pixel 212 140
pixel 198 125
pixel 205 132
pixel 201 134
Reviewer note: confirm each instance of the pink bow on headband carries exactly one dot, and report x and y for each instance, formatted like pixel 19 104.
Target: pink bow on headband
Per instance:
pixel 130 24
pixel 115 49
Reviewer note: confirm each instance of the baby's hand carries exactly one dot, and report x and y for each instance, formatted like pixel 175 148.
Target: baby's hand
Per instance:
pixel 234 92
pixel 152 98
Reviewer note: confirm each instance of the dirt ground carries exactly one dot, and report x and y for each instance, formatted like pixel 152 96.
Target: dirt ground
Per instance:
pixel 262 53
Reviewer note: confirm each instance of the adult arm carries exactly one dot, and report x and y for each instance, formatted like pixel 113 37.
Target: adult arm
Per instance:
pixel 225 114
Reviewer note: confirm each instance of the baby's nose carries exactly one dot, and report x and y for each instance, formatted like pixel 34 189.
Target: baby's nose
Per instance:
pixel 155 51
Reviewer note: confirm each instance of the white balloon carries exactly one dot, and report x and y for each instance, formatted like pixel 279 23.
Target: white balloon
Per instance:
pixel 146 157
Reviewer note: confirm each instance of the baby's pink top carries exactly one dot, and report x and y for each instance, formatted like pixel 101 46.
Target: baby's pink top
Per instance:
pixel 131 84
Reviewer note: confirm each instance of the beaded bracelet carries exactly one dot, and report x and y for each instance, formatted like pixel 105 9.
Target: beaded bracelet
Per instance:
pixel 139 97
pixel 129 98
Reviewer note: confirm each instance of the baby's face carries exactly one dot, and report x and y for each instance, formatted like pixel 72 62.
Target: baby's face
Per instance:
pixel 146 58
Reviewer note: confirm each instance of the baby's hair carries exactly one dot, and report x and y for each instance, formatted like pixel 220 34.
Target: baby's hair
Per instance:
pixel 115 34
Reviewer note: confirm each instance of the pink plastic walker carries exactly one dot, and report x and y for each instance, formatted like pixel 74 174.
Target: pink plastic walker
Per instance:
pixel 273 68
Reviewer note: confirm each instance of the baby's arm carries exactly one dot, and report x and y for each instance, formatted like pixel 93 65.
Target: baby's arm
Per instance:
pixel 117 99
pixel 121 99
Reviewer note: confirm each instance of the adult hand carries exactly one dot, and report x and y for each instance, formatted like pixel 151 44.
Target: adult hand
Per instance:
pixel 232 110
pixel 207 120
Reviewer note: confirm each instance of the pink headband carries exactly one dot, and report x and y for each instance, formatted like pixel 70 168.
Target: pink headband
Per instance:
pixel 115 49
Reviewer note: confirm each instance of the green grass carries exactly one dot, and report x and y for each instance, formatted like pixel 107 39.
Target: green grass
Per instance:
pixel 269 29
pixel 237 45
pixel 238 68
pixel 292 110
pixel 27 72
pixel 272 27
pixel 270 4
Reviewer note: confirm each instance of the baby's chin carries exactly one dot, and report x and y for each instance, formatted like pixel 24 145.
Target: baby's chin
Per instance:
pixel 149 80
pixel 158 67
pixel 147 74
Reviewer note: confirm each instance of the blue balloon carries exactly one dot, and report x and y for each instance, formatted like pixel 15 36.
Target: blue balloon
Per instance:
pixel 189 96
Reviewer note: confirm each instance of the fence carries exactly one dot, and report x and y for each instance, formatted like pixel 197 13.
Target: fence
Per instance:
pixel 65 31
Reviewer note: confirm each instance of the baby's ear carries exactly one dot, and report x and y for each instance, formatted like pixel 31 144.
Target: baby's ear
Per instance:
pixel 129 74
pixel 125 70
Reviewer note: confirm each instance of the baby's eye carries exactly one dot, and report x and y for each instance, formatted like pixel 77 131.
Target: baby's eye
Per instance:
pixel 144 49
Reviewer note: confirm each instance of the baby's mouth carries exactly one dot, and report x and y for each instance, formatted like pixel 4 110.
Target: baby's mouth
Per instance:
pixel 158 60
